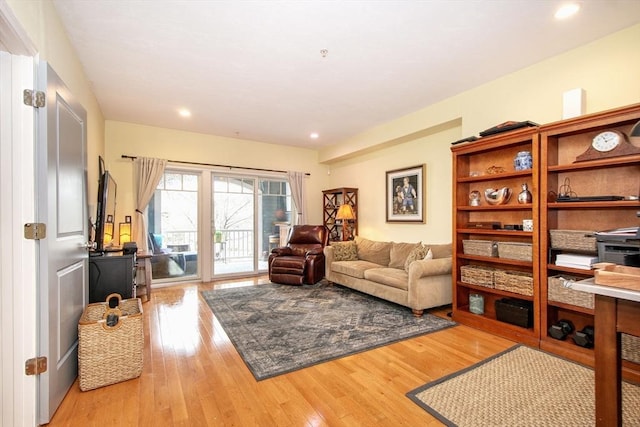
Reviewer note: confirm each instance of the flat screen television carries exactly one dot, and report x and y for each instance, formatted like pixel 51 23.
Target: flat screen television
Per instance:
pixel 106 211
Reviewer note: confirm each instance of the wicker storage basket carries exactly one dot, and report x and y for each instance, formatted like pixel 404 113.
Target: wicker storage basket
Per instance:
pixel 476 275
pixel 515 250
pixel 559 292
pixel 573 240
pixel 514 281
pixel 480 247
pixel 631 348
pixel 111 343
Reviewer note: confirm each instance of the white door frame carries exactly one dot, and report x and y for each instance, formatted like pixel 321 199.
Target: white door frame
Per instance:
pixel 18 311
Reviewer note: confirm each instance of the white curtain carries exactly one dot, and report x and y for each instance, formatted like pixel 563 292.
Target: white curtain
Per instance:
pixel 147 173
pixel 296 182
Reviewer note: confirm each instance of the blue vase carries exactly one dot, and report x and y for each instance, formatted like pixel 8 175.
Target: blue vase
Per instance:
pixel 523 161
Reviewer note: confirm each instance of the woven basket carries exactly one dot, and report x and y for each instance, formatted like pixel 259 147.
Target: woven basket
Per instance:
pixel 111 343
pixel 631 348
pixel 479 247
pixel 514 281
pixel 559 292
pixel 515 250
pixel 573 240
pixel 476 275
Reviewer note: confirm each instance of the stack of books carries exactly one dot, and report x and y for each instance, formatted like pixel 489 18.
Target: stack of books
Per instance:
pixel 582 262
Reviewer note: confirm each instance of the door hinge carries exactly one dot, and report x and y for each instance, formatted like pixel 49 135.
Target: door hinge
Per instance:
pixel 35 366
pixel 35 231
pixel 34 98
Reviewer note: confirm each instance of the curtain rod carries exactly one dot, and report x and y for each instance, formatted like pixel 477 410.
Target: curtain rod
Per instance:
pixel 124 156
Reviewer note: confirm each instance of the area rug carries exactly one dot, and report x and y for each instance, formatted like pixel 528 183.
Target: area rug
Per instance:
pixel 279 328
pixel 520 387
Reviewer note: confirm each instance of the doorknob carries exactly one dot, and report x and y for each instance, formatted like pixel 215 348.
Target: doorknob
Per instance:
pixel 88 245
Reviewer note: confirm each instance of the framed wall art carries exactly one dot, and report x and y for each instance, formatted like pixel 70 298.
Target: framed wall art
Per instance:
pixel 405 196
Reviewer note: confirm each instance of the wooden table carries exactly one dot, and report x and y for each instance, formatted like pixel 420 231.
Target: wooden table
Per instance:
pixel 144 265
pixel 616 310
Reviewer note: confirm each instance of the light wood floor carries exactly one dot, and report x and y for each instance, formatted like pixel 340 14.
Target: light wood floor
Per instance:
pixel 193 376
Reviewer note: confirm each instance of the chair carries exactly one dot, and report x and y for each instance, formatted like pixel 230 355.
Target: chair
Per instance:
pixel 302 260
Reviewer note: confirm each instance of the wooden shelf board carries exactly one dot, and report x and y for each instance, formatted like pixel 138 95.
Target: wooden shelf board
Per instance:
pixel 496 232
pixel 595 164
pixel 496 260
pixel 495 291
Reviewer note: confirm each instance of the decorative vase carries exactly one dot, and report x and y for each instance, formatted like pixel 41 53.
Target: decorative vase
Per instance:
pixel 523 161
pixel 474 198
pixel 476 303
pixel 525 195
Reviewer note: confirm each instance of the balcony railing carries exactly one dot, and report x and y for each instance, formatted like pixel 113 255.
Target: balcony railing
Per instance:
pixel 232 244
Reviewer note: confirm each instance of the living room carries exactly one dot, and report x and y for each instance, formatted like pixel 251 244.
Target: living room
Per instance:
pixel 606 69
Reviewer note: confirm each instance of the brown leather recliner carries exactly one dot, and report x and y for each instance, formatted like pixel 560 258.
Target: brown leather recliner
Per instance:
pixel 302 260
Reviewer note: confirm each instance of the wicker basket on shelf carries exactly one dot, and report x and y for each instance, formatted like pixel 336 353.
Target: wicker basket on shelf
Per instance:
pixel 110 343
pixel 514 281
pixel 631 348
pixel 573 240
pixel 559 291
pixel 480 247
pixel 515 250
pixel 476 275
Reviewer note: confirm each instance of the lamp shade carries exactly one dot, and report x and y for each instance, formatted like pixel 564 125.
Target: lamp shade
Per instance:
pixel 125 232
pixel 108 232
pixel 345 212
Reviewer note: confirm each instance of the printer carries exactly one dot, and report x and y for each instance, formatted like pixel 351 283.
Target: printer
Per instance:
pixel 620 246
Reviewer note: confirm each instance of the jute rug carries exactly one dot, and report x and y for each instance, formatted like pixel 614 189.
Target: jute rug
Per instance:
pixel 520 387
pixel 279 329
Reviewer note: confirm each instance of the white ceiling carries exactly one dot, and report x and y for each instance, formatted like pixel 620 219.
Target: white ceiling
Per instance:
pixel 253 69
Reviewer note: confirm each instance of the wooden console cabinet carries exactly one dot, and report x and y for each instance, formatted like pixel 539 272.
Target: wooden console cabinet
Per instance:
pixel 111 273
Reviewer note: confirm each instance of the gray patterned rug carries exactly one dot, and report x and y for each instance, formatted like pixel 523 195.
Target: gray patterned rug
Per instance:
pixel 279 329
pixel 520 387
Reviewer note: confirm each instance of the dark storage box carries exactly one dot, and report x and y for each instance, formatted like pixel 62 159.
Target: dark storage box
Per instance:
pixel 515 311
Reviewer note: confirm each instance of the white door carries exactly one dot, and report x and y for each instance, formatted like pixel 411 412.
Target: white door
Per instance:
pixel 62 255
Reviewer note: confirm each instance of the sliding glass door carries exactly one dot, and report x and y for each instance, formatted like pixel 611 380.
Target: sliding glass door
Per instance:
pixel 247 216
pixel 205 224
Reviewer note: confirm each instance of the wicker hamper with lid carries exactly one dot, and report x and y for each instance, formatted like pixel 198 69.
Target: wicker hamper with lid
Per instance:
pixel 110 343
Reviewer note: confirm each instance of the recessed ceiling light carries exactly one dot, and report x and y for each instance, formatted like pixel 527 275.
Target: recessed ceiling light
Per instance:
pixel 314 135
pixel 567 10
pixel 184 112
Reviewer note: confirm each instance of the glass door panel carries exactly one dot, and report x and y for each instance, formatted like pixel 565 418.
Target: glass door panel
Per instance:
pixel 233 213
pixel 172 219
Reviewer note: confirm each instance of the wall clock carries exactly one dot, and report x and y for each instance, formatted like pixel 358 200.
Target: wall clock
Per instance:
pixel 607 144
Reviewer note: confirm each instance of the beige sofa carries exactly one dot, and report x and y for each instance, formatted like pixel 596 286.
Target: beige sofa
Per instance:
pixel 396 272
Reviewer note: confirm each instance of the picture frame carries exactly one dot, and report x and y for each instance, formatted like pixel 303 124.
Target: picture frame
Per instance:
pixel 406 195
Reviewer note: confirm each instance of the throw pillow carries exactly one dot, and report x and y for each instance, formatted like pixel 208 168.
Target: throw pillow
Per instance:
pixel 419 252
pixel 372 251
pixel 429 254
pixel 399 253
pixel 344 251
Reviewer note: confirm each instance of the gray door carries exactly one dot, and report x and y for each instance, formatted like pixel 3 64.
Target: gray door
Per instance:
pixel 62 255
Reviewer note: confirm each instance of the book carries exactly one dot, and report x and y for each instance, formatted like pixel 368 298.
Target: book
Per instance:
pixel 583 262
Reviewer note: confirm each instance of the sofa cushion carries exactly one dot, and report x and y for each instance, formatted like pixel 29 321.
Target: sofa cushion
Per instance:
pixel 419 252
pixel 441 251
pixel 344 251
pixel 353 268
pixel 393 277
pixel 399 253
pixel 376 252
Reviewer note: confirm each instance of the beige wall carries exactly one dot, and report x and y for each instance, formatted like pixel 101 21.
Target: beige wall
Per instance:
pixel 40 20
pixel 138 140
pixel 608 70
